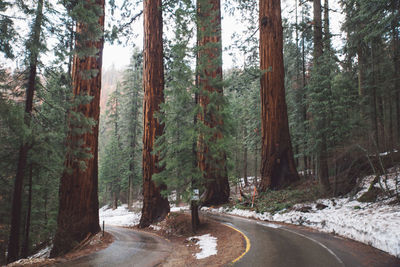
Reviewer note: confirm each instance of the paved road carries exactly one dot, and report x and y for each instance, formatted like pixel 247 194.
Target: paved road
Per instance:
pixel 272 245
pixel 285 246
pixel 129 249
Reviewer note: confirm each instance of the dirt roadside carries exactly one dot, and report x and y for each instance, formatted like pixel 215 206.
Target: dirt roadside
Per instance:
pixel 88 246
pixel 176 229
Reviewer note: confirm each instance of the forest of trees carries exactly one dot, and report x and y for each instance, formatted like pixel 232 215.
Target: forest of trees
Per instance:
pixel 300 103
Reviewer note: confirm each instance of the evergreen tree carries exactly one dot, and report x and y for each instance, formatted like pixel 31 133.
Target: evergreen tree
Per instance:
pixel 132 88
pixel 177 145
pixel 7 31
pixel 33 53
pixel 112 165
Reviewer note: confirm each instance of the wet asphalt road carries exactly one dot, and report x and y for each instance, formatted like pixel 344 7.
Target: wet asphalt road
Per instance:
pixel 129 249
pixel 274 245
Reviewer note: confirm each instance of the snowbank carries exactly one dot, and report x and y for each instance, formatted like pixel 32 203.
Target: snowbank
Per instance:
pixel 207 244
pixel 376 224
pixel 119 217
pixel 44 253
pixel 179 209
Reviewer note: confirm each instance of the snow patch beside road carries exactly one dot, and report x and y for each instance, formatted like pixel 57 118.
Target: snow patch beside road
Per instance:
pixel 119 217
pixel 376 224
pixel 43 253
pixel 207 244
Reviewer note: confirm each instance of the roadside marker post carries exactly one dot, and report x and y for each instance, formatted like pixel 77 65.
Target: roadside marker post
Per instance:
pixel 254 195
pixel 103 228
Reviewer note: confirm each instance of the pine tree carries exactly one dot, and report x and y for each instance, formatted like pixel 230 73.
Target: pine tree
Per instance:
pixel 132 87
pixel 112 164
pixel 33 48
pixel 177 145
pixel 46 158
pixel 7 31
pixel 320 87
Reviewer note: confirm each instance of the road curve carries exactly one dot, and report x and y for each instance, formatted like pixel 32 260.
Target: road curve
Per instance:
pixel 130 248
pixel 285 246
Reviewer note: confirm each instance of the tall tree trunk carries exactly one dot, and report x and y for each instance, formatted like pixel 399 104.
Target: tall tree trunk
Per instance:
pixel 25 244
pixel 322 157
pixel 389 100
pixel 46 200
pixel 115 200
pixel 373 102
pixel 134 111
pixel 245 158
pixel 362 76
pixel 277 163
pixel 396 63
pixel 194 205
pixel 209 81
pixel 78 214
pixel 71 48
pixel 155 207
pixel 304 108
pixel 129 187
pixel 13 245
pixel 318 44
pixel 380 100
pixel 255 165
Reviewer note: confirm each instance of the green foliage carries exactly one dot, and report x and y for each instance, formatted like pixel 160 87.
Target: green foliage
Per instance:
pixel 243 93
pixel 45 130
pixel 7 31
pixel 120 146
pixel 274 201
pixel 177 146
pixel 48 154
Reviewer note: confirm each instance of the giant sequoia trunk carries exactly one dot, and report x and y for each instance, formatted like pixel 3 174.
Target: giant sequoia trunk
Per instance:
pixel 277 163
pixel 155 207
pixel 13 245
pixel 209 65
pixel 78 214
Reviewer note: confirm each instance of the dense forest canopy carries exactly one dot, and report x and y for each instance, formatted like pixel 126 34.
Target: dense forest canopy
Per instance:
pixel 178 123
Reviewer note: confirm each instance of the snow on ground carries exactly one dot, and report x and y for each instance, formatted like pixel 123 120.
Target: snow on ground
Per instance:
pixel 155 227
pixel 119 217
pixel 178 209
pixel 123 217
pixel 387 152
pixel 44 253
pixel 376 224
pixel 207 244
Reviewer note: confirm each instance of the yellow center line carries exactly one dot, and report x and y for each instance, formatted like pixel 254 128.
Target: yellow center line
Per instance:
pixel 248 245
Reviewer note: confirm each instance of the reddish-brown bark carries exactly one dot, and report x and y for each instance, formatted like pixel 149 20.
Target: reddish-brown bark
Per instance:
pixel 78 214
pixel 210 81
pixel 155 207
pixel 277 163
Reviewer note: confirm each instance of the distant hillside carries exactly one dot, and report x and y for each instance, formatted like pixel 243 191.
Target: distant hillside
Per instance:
pixel 110 78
